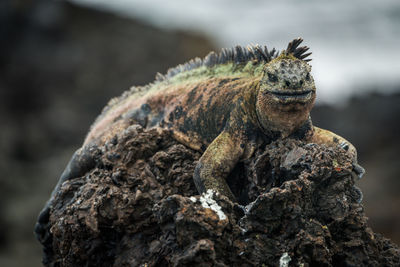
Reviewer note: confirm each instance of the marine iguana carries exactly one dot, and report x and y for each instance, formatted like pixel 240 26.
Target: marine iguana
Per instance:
pixel 224 105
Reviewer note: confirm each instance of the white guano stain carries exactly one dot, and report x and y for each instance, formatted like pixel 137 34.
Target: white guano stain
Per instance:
pixel 284 260
pixel 208 202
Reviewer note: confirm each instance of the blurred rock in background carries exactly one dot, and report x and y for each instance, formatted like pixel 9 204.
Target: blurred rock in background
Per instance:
pixel 61 63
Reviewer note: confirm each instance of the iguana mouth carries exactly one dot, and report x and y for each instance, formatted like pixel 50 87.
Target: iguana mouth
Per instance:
pixel 292 94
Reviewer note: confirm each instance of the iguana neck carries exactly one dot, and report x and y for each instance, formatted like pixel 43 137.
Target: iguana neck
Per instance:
pixel 284 123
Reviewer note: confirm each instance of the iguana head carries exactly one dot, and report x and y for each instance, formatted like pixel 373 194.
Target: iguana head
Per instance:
pixel 287 83
pixel 286 94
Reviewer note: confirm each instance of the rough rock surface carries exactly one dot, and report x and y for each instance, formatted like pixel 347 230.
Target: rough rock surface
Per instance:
pixel 139 207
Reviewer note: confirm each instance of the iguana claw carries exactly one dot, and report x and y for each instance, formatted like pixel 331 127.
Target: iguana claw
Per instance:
pixel 344 145
pixel 358 170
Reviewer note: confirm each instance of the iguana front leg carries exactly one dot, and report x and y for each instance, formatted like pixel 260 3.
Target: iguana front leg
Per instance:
pixel 217 162
pixel 326 137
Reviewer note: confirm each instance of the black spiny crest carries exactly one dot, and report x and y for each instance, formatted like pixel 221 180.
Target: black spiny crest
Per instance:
pixel 298 52
pixel 238 55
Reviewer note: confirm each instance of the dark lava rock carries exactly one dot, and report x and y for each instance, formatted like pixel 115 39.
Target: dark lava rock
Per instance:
pixel 139 207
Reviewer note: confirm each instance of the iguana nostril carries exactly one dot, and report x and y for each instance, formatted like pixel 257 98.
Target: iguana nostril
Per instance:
pixel 301 83
pixel 287 83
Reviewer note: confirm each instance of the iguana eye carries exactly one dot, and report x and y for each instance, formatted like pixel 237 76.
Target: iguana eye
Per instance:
pixel 272 77
pixel 308 76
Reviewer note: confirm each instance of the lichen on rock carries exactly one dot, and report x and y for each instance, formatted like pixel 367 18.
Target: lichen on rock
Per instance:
pixel 139 207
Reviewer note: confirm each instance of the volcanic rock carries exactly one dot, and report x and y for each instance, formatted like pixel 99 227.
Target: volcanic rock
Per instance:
pixel 297 206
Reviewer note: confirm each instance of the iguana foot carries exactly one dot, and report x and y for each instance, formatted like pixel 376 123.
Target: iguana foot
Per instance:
pixel 42 225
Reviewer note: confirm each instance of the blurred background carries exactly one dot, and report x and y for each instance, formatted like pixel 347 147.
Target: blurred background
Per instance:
pixel 60 62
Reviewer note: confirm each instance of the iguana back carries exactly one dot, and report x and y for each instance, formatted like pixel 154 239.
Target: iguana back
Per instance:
pixel 194 100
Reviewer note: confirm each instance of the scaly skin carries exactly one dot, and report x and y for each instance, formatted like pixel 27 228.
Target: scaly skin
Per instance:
pixel 224 109
pixel 227 115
